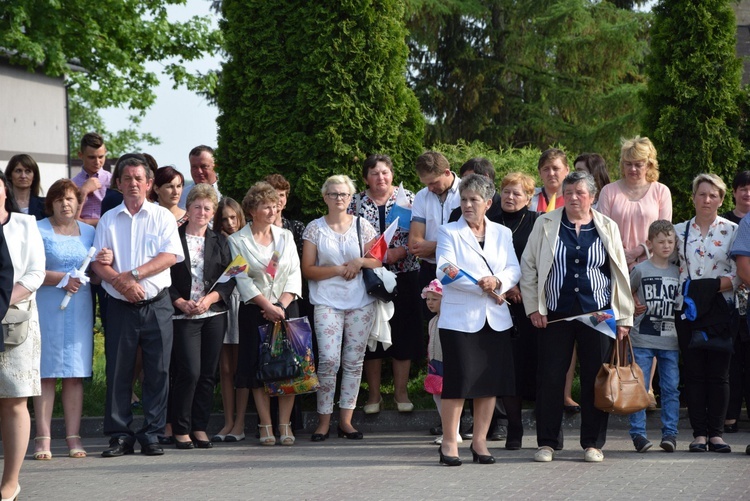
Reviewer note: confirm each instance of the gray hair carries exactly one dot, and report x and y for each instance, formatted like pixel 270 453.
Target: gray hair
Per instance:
pixel 576 177
pixel 711 179
pixel 478 184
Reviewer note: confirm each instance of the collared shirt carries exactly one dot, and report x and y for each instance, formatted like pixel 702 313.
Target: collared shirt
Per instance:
pixel 580 270
pixel 92 206
pixel 432 212
pixel 189 184
pixel 136 239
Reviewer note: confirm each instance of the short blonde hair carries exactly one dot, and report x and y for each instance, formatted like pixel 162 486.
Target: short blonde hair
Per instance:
pixel 259 193
pixel 526 182
pixel 640 148
pixel 711 179
pixel 202 191
pixel 339 179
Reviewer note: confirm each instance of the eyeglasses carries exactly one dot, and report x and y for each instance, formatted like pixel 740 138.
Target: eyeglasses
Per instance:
pixel 338 196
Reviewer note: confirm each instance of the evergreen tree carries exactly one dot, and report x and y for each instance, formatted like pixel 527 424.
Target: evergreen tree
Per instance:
pixel 693 96
pixel 528 73
pixel 309 89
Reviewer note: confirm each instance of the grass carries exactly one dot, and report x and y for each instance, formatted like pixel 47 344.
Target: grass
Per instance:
pixel 95 388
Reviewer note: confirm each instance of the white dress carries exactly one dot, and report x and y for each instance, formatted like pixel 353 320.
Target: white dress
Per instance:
pixel 19 365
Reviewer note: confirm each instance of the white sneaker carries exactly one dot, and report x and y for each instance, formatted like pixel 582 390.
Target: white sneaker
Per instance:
pixel 593 455
pixel 544 454
pixel 459 440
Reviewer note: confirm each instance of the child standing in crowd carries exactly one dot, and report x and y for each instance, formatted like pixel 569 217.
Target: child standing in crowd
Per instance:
pixel 655 283
pixel 433 296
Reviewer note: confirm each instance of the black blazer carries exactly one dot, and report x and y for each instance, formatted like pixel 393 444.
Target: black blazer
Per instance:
pixel 216 259
pixel 36 207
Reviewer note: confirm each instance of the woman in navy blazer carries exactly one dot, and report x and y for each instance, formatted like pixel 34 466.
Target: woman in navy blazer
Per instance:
pixel 475 322
pixel 199 320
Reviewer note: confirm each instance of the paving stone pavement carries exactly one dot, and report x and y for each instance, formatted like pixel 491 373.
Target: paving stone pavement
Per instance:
pixel 388 465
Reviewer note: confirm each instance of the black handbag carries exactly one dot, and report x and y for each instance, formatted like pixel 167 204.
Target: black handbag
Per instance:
pixel 373 283
pixel 277 359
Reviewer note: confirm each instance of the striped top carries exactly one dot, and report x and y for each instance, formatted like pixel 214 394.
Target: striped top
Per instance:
pixel 580 270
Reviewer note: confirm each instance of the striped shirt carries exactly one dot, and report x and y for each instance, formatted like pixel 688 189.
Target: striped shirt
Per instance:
pixel 580 270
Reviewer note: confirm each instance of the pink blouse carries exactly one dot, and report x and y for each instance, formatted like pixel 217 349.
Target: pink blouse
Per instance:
pixel 635 216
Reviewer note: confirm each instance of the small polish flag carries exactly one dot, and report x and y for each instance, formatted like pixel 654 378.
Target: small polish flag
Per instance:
pixel 380 246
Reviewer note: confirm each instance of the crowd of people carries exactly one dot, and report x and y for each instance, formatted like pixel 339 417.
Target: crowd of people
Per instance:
pixel 504 272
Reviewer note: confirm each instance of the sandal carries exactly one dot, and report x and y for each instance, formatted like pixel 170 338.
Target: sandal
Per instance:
pixel 42 455
pixel 286 438
pixel 268 439
pixel 75 452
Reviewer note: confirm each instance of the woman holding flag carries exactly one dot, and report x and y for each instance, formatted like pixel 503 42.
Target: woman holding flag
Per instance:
pixel 200 320
pixel 378 204
pixel 269 292
pixel 475 322
pixel 574 264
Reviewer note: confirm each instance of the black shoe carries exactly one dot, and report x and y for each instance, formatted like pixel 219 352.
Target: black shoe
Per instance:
pixel 468 434
pixel 731 428
pixel 355 435
pixel 498 434
pixel 697 447
pixel 166 440
pixel 436 430
pixel 153 449
pixel 117 448
pixel 641 443
pixel 668 443
pixel 318 437
pixel 202 444
pixel 480 458
pixel 719 447
pixel 448 460
pixel 186 445
pixel 512 444
pixel 747 450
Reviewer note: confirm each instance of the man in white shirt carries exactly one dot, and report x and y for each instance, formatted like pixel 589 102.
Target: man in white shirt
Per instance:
pixel 431 209
pixel 144 242
pixel 202 170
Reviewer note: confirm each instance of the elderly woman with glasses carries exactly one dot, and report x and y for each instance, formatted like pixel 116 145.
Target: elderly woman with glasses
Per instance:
pixel 332 260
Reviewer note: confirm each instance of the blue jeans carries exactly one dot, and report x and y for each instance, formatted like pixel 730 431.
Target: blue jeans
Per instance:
pixel 669 378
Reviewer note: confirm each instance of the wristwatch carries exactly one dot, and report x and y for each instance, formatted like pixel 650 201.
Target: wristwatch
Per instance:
pixel 135 274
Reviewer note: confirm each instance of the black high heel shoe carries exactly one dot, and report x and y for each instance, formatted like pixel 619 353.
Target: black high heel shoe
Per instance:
pixel 318 437
pixel 355 435
pixel 725 448
pixel 449 460
pixel 479 458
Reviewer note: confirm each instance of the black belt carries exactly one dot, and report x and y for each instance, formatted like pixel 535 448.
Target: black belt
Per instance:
pixel 145 302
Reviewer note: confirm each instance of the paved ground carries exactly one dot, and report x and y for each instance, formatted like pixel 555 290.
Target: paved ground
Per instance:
pixel 387 465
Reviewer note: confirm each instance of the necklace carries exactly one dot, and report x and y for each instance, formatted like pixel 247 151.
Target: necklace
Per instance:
pixel 513 230
pixel 60 230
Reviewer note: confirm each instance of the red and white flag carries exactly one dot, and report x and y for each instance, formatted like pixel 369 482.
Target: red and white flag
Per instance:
pixel 380 246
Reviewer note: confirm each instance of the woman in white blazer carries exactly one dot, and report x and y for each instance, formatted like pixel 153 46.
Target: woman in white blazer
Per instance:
pixel 265 299
pixel 574 263
pixel 475 322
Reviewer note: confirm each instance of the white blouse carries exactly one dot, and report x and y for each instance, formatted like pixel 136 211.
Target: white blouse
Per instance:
pixel 335 249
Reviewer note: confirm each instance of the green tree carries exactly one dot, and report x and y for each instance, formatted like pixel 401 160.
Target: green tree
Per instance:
pixel 528 73
pixel 309 89
pixel 693 96
pixel 111 41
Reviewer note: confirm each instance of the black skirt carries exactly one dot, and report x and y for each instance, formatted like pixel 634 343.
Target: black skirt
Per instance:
pixel 249 318
pixel 477 364
pixel 407 333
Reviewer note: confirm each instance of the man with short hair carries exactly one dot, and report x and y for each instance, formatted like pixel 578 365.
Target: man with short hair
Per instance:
pixel 483 167
pixel 431 209
pixel 93 180
pixel 202 170
pixel 144 242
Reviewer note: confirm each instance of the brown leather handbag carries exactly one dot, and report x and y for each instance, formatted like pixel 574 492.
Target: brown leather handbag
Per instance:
pixel 619 387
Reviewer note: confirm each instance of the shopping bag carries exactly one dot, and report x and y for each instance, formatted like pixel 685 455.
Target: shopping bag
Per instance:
pixel 299 336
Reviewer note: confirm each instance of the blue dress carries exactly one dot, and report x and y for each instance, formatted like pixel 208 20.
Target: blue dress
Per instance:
pixel 67 335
